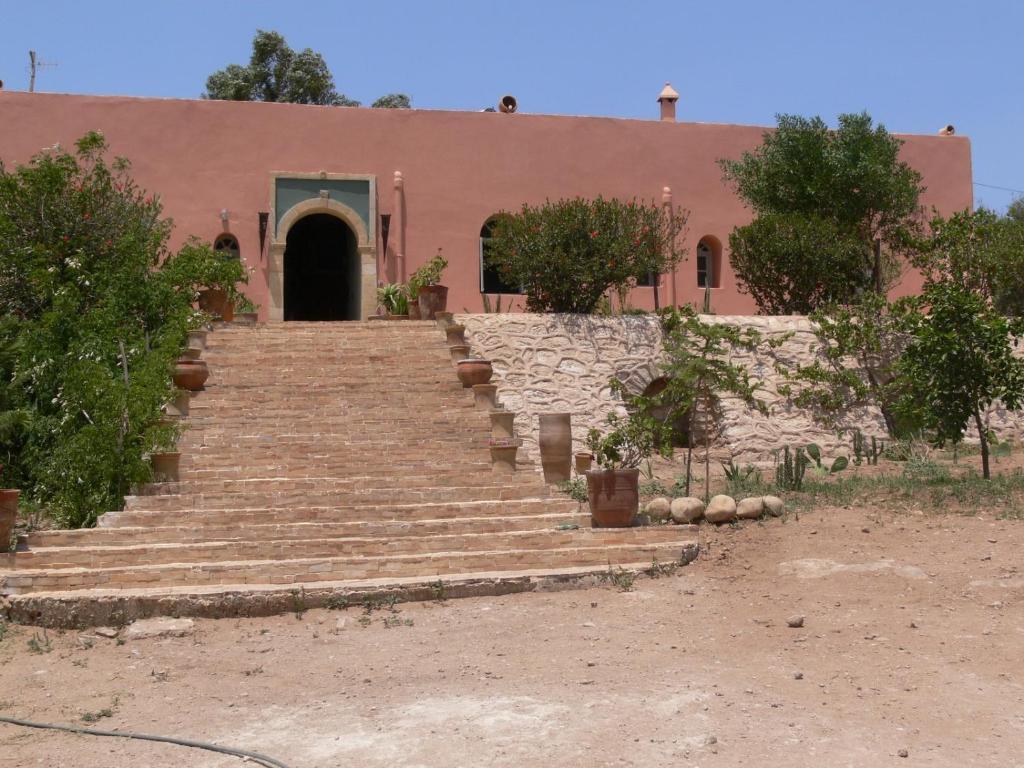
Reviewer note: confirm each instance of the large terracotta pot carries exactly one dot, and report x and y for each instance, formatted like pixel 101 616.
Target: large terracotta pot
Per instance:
pixel 503 425
pixel 614 496
pixel 191 353
pixel 197 339
pixel 473 370
pixel 459 352
pixel 503 455
pixel 8 516
pixel 456 334
pixel 556 446
pixel 215 301
pixel 165 466
pixel 433 299
pixel 443 319
pixel 190 374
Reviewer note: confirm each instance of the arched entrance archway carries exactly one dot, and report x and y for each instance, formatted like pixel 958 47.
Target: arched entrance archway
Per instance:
pixel 322 273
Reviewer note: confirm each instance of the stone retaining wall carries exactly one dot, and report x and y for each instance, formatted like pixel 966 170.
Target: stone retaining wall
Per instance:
pixel 562 363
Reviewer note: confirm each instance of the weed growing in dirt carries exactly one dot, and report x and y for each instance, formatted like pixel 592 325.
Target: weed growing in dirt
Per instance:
pixel 397 621
pixel 657 570
pixel 621 578
pixel 337 602
pixel 575 489
pixel 93 717
pixel 299 606
pixel 40 643
pixel 4 629
pixel 437 589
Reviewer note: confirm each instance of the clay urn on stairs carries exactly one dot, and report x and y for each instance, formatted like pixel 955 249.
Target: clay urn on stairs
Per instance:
pixel 474 370
pixel 190 374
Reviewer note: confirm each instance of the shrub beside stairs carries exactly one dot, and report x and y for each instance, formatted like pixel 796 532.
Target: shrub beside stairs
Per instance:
pixel 323 463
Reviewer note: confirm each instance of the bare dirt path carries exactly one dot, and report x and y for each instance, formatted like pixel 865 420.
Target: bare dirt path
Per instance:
pixel 913 640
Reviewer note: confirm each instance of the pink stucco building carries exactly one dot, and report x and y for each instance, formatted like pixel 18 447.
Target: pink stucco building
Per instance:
pixel 302 191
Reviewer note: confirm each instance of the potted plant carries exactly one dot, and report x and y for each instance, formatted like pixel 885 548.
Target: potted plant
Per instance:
pixel 8 515
pixel 613 489
pixel 393 301
pixel 246 311
pixel 432 296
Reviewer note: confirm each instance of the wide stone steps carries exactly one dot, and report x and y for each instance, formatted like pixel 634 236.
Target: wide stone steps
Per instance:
pixel 276 531
pixel 263 513
pixel 323 459
pixel 594 547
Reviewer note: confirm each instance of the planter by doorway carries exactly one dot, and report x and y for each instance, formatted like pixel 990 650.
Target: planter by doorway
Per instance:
pixel 614 496
pixel 190 374
pixel 432 299
pixel 474 370
pixel 215 301
pixel 8 516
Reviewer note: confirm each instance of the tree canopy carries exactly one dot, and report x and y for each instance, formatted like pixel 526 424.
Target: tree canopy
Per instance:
pixel 847 184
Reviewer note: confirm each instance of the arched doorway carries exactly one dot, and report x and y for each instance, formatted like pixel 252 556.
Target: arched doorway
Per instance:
pixel 322 275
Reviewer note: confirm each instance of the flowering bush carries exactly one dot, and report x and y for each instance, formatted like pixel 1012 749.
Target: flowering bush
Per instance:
pixel 567 255
pixel 94 310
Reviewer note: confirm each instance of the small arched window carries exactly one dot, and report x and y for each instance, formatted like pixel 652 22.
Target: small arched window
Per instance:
pixel 227 246
pixel 491 279
pixel 709 263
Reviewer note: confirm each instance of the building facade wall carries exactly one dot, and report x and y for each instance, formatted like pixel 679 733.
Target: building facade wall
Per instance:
pixel 457 168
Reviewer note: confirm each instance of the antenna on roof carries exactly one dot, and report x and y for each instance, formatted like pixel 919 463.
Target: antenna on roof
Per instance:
pixel 34 64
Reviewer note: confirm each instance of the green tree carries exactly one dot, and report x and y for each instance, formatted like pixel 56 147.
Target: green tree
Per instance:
pixel 981 252
pixel 277 73
pixel 793 263
pixel 93 311
pixel 959 361
pixel 567 255
pixel 393 101
pixel 850 179
pixel 1016 210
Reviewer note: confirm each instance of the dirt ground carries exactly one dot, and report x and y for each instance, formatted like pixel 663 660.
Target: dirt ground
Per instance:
pixel 913 640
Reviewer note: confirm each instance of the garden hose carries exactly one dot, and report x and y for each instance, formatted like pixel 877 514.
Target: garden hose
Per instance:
pixel 269 762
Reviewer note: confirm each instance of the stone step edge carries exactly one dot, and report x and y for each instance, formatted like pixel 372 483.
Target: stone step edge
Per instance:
pixel 118 607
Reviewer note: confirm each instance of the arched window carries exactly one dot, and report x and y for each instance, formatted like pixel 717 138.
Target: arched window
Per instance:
pixel 709 263
pixel 227 246
pixel 491 279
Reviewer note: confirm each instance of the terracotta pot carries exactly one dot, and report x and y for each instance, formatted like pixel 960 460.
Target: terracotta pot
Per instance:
pixel 473 370
pixel 614 497
pixel 179 405
pixel 190 374
pixel 485 396
pixel 8 516
pixel 456 334
pixel 503 425
pixel 459 352
pixel 556 446
pixel 197 339
pixel 248 318
pixel 433 299
pixel 389 317
pixel 191 353
pixel 414 309
pixel 583 462
pixel 165 466
pixel 215 302
pixel 503 455
pixel 443 319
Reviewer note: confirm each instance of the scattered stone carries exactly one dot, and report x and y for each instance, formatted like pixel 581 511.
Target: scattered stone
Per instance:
pixel 903 753
pixel 913 625
pixel 108 632
pixel 659 508
pixel 773 506
pixel 588 624
pixel 686 509
pixel 750 508
pixel 795 621
pixel 710 739
pixel 798 675
pixel 593 604
pixel 865 530
pixel 721 509
pixel 160 627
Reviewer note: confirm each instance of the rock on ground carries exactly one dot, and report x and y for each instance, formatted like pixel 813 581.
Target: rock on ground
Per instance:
pixel 160 627
pixel 687 509
pixel 750 508
pixel 721 509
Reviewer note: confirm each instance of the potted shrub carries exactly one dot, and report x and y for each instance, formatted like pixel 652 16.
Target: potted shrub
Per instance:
pixel 8 515
pixel 432 296
pixel 613 489
pixel 393 301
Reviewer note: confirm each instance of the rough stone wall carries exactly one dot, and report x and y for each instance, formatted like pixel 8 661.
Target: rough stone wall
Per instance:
pixel 562 363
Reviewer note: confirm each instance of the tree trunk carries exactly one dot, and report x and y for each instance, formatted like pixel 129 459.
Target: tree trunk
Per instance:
pixel 984 444
pixel 707 453
pixel 689 446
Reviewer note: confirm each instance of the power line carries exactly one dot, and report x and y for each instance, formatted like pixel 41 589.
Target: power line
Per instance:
pixel 1004 189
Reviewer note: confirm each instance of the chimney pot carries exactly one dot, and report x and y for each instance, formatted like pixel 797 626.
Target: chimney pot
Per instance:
pixel 668 98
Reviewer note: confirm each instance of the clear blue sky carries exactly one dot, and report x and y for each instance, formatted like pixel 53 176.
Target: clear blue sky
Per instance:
pixel 915 65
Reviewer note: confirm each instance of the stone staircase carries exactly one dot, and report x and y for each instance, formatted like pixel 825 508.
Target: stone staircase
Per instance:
pixel 323 462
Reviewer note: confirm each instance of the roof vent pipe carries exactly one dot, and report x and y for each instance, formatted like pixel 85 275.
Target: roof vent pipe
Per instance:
pixel 508 104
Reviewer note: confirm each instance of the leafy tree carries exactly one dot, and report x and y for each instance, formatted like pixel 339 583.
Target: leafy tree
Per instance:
pixel 980 251
pixel 793 263
pixel 393 101
pixel 567 255
pixel 1016 210
pixel 850 179
pixel 93 312
pixel 277 73
pixel 960 360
